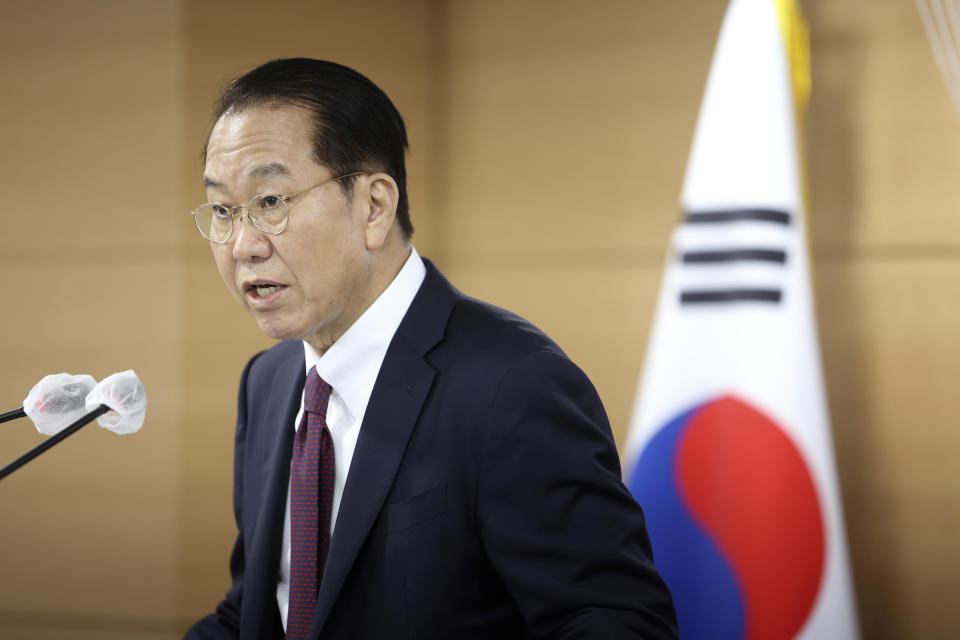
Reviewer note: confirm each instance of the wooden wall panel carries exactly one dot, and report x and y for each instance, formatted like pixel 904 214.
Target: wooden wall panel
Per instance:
pixel 892 360
pixel 87 521
pixel 884 153
pixel 90 125
pixel 568 126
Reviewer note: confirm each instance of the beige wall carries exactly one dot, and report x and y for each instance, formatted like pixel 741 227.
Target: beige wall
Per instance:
pixel 548 148
pixel 884 161
pixel 90 145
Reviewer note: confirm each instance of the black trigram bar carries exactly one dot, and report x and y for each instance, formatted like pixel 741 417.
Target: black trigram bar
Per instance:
pixel 726 296
pixel 733 215
pixel 734 255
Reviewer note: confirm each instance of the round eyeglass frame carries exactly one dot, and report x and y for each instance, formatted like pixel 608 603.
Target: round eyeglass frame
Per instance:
pixel 238 209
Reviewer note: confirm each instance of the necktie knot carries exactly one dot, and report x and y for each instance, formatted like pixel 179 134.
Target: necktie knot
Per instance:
pixel 316 393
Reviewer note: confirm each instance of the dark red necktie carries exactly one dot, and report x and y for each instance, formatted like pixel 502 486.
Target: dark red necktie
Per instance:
pixel 312 476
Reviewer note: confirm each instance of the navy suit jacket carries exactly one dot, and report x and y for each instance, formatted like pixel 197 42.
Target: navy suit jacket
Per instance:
pixel 484 498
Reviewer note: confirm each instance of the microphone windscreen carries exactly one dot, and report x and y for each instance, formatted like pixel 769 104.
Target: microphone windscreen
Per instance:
pixel 57 401
pixel 125 396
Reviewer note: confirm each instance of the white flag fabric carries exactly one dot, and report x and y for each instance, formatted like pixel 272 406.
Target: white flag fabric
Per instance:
pixel 729 450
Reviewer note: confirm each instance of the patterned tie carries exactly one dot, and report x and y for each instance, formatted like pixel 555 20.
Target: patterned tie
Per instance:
pixel 311 498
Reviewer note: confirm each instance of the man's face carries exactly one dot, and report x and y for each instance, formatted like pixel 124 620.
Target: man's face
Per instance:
pixel 311 281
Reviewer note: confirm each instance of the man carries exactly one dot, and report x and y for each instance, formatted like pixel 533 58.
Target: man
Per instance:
pixel 409 462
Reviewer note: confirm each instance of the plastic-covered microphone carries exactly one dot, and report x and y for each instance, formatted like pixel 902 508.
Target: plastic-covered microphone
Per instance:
pixel 121 401
pixel 126 398
pixel 54 402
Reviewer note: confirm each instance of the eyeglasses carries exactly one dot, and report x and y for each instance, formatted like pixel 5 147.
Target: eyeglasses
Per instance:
pixel 267 212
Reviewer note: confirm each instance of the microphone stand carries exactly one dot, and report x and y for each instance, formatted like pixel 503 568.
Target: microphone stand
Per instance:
pixel 52 440
pixel 12 415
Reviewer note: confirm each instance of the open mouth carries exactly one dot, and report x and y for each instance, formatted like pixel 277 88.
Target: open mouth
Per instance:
pixel 263 289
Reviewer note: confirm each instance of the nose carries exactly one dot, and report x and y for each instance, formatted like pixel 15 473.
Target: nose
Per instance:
pixel 249 243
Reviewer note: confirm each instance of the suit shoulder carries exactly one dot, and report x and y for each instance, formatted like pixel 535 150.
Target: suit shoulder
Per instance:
pixel 265 363
pixel 482 333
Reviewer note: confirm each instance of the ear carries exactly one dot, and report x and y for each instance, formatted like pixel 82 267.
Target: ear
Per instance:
pixel 382 196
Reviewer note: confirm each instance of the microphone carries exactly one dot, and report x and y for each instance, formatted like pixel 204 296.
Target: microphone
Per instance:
pixel 124 394
pixel 118 402
pixel 54 402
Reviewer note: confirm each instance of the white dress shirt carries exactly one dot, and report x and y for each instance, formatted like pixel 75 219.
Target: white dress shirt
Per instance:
pixel 351 366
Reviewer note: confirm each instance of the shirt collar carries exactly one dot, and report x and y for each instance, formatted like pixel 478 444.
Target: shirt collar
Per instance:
pixel 352 363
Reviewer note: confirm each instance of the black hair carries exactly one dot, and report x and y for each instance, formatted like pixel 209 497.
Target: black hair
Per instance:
pixel 357 128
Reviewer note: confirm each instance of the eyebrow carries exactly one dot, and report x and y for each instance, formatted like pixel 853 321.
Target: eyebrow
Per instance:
pixel 267 170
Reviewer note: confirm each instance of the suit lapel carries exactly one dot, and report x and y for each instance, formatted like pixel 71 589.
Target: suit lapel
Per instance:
pixel 265 541
pixel 398 397
pixel 394 407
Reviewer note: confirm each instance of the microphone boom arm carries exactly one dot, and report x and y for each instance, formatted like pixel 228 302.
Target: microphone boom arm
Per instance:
pixel 52 440
pixel 13 415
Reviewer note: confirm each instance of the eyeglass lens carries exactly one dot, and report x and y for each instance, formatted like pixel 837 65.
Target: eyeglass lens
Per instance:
pixel 216 221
